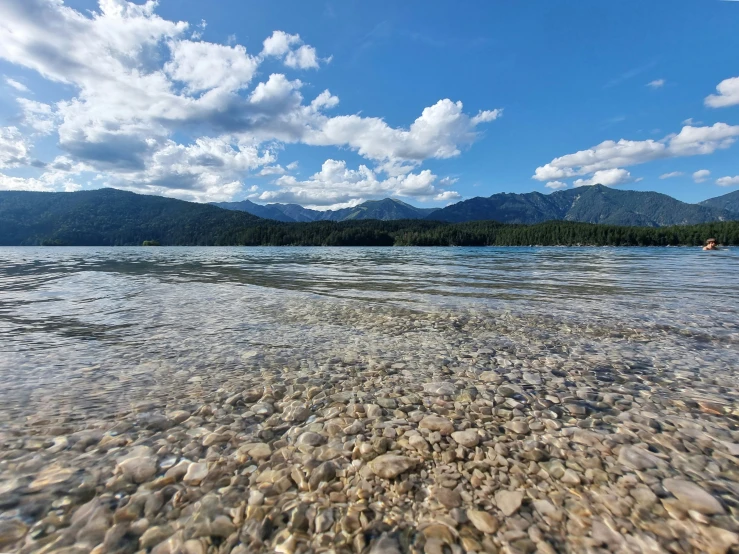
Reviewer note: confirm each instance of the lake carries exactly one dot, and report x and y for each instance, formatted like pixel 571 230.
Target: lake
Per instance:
pixel 91 337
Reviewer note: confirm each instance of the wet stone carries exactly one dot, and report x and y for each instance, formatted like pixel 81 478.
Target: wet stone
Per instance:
pixel 437 423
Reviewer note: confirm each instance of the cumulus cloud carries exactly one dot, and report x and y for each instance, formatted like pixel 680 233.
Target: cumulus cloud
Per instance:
pixel 295 54
pixel 728 181
pixel 208 169
pixel 447 196
pixel 440 132
pixel 279 43
pixel 556 185
pixel 701 175
pixel 335 184
pixel 608 178
pixel 657 83
pixel 14 148
pixel 139 80
pixel 728 94
pixel 20 87
pixel 58 175
pixel 40 117
pixel 690 141
pixel 671 175
pixel 205 66
pixel 272 170
pixel 304 57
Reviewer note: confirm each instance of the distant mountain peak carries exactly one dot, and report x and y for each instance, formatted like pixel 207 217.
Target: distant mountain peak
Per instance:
pixel 383 209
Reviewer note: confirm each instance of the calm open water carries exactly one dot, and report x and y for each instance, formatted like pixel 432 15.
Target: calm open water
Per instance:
pixel 88 330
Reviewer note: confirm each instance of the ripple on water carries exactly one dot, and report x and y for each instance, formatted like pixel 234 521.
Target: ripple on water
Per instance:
pixel 95 329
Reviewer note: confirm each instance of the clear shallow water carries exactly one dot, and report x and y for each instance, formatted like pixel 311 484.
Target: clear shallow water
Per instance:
pixel 93 330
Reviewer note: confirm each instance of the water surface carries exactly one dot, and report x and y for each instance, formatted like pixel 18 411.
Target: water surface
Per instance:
pixel 92 330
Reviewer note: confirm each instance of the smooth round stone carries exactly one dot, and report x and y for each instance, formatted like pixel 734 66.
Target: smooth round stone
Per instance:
pixel 441 389
pixel 295 413
pixel 52 475
pixel 693 497
pixel 196 473
pixel 437 423
pixel 140 469
pixel 637 458
pixel 11 531
pixel 468 438
pixel 518 427
pixel 263 409
pixel 483 521
pixel 447 497
pixel 310 439
pixel 389 466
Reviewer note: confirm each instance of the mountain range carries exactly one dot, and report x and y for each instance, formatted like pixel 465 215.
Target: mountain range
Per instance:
pixel 384 210
pixel 726 202
pixel 594 204
pixel 115 217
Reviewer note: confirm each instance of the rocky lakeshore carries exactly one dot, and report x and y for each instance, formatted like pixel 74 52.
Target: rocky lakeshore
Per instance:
pixel 435 433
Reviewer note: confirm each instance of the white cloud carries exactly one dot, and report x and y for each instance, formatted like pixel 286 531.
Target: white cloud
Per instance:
pixel 295 54
pixel 14 148
pixel 701 175
pixel 304 57
pixel 205 66
pixel 324 100
pixel 657 83
pixel 691 141
pixel 279 44
pixel 727 181
pixel 728 94
pixel 556 185
pixel 208 169
pixel 440 132
pixel 292 166
pixel 40 117
pixel 447 196
pixel 336 184
pixel 20 87
pixel 57 175
pixel 608 178
pixel 671 175
pixel 272 170
pixel 137 81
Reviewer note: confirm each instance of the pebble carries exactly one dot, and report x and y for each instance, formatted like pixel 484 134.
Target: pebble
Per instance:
pixel 437 423
pixel 693 497
pixel 389 466
pixel 139 469
pixel 483 521
pixel 468 438
pixel 11 531
pixel 508 501
pixel 494 433
pixel 196 473
pixel 637 458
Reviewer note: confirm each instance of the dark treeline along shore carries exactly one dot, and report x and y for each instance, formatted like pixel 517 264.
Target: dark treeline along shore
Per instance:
pixel 109 217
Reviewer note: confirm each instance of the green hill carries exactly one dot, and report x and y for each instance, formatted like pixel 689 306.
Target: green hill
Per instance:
pixel 113 217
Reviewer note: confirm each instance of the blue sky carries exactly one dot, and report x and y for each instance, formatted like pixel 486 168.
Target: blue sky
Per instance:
pixel 331 103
